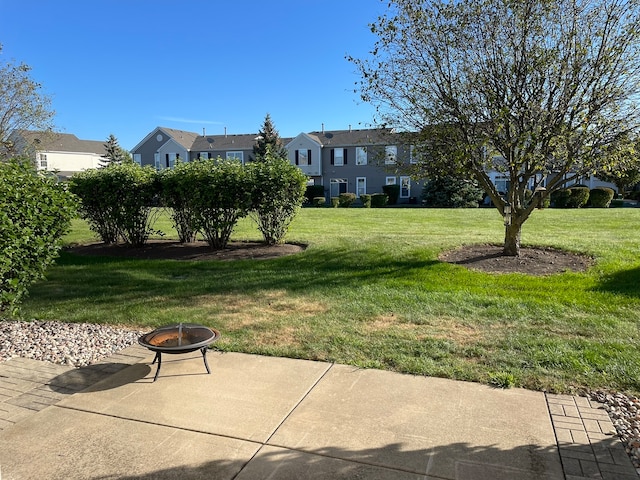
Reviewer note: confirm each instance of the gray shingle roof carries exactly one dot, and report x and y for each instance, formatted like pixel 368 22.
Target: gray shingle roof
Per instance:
pixel 62 142
pixel 183 137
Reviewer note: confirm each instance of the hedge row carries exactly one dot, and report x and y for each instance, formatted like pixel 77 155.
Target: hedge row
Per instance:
pixel 580 196
pixel 206 197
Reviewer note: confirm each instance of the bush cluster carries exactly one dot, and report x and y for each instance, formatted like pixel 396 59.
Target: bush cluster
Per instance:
pixel 206 197
pixel 580 196
pixel 35 212
pixel 600 197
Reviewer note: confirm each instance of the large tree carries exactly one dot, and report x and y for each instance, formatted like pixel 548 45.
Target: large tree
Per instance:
pixel 535 89
pixel 114 153
pixel 22 105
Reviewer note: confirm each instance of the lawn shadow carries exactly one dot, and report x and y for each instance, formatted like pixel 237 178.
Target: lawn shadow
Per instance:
pixel 622 282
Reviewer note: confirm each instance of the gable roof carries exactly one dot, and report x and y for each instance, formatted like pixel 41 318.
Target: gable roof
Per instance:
pixel 183 137
pixel 346 138
pixel 61 142
pixel 225 142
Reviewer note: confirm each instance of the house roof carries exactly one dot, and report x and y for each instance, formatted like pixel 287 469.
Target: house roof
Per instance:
pixel 184 138
pixel 346 138
pixel 61 142
pixel 225 142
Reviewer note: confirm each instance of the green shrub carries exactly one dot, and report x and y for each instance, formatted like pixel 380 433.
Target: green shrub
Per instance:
pixel 35 212
pixel 117 201
pixel 175 186
pixel 346 199
pixel 319 201
pixel 452 192
pixel 366 200
pixel 335 202
pixel 379 200
pixel 313 191
pixel 560 198
pixel 600 197
pixel 616 203
pixel 579 197
pixel 392 192
pixel 277 195
pixel 220 195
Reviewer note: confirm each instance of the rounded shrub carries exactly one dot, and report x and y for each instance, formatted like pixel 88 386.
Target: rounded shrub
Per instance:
pixel 335 202
pixel 392 192
pixel 579 197
pixel 313 191
pixel 319 201
pixel 346 199
pixel 366 200
pixel 600 197
pixel 379 200
pixel 560 198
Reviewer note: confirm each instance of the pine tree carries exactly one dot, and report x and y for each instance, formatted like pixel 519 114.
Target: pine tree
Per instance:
pixel 269 137
pixel 114 153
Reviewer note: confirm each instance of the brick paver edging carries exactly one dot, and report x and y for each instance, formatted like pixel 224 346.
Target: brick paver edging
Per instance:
pixel 587 441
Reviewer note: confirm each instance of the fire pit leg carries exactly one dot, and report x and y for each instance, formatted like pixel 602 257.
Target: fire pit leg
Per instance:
pixel 159 359
pixel 204 357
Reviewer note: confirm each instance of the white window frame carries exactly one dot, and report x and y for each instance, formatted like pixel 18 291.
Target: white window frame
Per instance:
pixel 235 156
pixel 137 158
pixel 338 157
pixel 156 161
pixel 361 189
pixel 334 184
pixel 203 155
pixel 390 154
pixel 405 180
pixel 361 155
pixel 412 157
pixel 390 181
pixel 43 161
pixel 303 153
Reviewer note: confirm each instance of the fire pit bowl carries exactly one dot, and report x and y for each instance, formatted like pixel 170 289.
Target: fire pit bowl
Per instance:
pixel 180 338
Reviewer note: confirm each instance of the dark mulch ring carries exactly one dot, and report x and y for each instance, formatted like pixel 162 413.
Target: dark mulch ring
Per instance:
pixel 172 250
pixel 532 260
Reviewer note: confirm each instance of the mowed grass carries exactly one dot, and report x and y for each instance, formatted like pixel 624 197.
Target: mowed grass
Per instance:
pixel 370 291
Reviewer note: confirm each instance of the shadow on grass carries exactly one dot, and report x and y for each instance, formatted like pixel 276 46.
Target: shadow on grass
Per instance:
pixel 103 280
pixel 623 282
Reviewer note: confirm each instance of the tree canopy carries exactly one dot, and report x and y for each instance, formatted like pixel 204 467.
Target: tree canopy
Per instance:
pixel 534 89
pixel 22 105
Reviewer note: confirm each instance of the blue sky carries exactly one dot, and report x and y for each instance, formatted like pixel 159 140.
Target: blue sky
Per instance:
pixel 127 66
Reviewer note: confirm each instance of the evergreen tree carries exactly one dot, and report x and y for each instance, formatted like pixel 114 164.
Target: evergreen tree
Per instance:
pixel 269 137
pixel 114 153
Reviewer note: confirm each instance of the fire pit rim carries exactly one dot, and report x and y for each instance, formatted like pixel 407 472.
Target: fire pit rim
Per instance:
pixel 190 347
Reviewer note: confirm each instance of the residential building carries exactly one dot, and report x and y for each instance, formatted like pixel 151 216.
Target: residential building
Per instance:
pixel 61 153
pixel 356 161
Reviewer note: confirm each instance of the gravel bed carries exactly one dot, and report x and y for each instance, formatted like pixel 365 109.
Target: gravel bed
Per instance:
pixel 624 412
pixel 75 344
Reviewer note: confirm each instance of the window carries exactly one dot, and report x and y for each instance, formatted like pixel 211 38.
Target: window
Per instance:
pixel 236 156
pixel 303 157
pixel 170 159
pixel 391 180
pixel 338 186
pixel 361 186
pixel 156 160
pixel 137 158
pixel 405 187
pixel 204 155
pixel 502 184
pixel 43 161
pixel 390 154
pixel 338 157
pixel 412 155
pixel 361 155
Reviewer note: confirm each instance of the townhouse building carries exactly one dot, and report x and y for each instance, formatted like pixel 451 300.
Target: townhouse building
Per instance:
pixel 357 161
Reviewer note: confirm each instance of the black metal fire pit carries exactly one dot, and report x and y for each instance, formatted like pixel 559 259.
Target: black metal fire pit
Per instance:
pixel 180 338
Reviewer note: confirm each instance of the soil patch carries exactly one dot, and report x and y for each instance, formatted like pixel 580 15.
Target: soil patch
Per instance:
pixel 173 250
pixel 532 260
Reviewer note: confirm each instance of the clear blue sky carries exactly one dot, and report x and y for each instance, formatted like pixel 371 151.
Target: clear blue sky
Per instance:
pixel 127 66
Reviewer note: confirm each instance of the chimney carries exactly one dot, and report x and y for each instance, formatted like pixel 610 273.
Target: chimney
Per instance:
pixel 204 132
pixel 323 128
pixel 225 132
pixel 349 128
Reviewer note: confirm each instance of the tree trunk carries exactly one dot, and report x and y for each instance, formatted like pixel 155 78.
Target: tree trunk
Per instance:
pixel 512 239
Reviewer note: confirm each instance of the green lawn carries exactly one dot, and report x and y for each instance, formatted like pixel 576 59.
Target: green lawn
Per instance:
pixel 370 291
